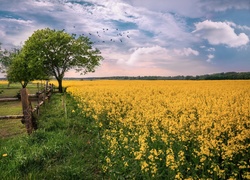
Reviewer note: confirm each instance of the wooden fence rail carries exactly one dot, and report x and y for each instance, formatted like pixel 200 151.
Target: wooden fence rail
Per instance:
pixel 8 99
pixel 29 113
pixel 11 117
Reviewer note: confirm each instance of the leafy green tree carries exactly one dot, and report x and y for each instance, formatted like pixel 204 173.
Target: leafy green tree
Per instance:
pixel 55 52
pixel 21 70
pixel 5 58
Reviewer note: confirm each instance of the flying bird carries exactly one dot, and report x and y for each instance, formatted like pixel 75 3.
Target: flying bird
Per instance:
pixel 118 36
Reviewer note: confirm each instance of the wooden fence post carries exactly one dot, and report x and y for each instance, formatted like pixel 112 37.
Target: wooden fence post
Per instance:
pixel 52 88
pixel 46 85
pixel 38 87
pixel 27 110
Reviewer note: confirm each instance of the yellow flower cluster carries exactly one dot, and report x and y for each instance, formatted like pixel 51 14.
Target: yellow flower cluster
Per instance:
pixel 177 129
pixel 3 82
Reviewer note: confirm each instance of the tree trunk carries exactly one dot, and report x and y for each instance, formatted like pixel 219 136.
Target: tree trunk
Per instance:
pixel 60 85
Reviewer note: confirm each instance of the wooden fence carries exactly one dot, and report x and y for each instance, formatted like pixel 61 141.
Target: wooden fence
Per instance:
pixel 30 114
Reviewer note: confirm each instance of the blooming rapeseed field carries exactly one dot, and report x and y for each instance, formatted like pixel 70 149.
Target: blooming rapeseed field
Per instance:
pixel 3 82
pixel 169 129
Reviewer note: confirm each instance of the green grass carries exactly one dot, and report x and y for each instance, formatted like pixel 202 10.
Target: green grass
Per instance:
pixel 13 89
pixel 11 128
pixel 66 146
pixel 9 91
pixel 11 108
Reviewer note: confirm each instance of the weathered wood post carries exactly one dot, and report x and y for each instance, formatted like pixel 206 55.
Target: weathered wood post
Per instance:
pixel 44 93
pixel 38 97
pixel 50 91
pixel 46 85
pixel 38 87
pixel 27 110
pixel 38 102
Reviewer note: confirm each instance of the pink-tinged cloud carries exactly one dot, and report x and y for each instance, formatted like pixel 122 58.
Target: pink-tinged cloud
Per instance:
pixel 158 54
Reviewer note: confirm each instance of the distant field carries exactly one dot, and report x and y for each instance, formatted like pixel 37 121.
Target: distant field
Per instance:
pixel 14 88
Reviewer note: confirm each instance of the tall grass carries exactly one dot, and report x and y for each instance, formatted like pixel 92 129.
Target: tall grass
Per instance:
pixel 64 147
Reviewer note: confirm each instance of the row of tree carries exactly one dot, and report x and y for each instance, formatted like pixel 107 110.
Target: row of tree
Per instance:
pixel 221 76
pixel 49 53
pixel 215 76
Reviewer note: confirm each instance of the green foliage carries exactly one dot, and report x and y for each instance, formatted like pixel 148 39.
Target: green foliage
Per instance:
pixel 22 70
pixel 6 58
pixel 56 52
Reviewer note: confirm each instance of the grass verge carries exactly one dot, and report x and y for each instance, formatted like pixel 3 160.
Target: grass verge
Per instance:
pixel 64 147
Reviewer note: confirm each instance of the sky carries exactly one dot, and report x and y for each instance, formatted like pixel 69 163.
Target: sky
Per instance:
pixel 142 37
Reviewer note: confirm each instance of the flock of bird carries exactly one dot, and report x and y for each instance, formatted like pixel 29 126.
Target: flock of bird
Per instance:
pixel 101 34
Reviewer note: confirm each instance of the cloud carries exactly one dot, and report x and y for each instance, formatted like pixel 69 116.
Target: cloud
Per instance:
pixel 146 53
pixel 155 61
pixel 145 26
pixel 184 8
pixel 191 8
pixel 220 33
pixel 15 31
pixel 210 49
pixel 149 27
pixel 210 57
pixel 165 61
pixel 232 24
pixel 223 5
pixel 186 52
pixel 157 54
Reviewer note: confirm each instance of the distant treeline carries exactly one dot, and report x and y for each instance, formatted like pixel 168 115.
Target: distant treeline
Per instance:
pixel 215 76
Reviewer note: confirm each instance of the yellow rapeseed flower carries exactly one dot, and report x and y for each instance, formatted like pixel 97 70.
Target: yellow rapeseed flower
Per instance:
pixel 146 118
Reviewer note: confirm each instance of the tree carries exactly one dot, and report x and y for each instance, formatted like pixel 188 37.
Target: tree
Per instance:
pixel 21 70
pixel 56 52
pixel 5 58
